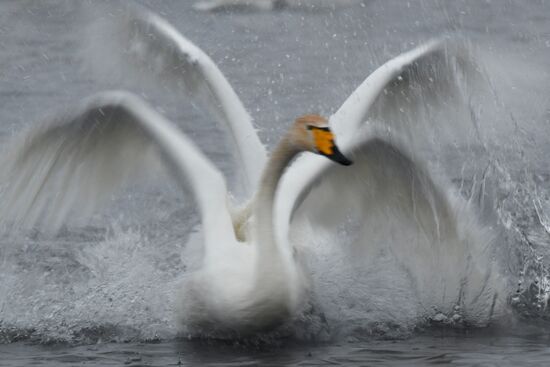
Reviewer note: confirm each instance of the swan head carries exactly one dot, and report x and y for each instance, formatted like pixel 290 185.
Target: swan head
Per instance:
pixel 312 133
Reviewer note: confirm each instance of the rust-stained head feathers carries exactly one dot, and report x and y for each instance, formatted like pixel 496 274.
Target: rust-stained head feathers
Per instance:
pixel 312 119
pixel 312 133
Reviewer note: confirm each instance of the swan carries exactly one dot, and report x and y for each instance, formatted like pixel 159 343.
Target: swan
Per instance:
pixel 217 5
pixel 146 46
pixel 79 157
pixel 266 5
pixel 239 288
pixel 252 288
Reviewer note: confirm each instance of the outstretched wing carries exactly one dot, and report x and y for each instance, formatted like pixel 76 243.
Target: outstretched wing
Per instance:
pixel 80 157
pixel 146 45
pixel 408 88
pixel 409 245
pixel 384 178
pixel 386 209
pixel 397 95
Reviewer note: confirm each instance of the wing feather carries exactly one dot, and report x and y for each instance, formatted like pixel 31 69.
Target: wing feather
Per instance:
pixel 145 44
pixel 388 207
pixel 397 96
pixel 403 234
pixel 82 156
pixel 408 87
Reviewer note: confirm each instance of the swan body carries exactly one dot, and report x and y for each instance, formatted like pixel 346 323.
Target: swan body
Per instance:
pixel 84 154
pixel 262 285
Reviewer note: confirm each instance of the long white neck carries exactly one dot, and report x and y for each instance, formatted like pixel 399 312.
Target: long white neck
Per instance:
pixel 269 255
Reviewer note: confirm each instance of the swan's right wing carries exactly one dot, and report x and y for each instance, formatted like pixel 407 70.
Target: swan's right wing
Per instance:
pixel 146 45
pixel 80 157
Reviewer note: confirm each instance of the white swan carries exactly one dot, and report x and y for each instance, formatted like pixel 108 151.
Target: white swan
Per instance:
pixel 145 45
pixel 217 5
pixel 265 5
pixel 249 288
pixel 239 288
pixel 81 156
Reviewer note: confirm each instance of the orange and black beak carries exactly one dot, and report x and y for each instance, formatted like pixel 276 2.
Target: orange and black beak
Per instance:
pixel 324 142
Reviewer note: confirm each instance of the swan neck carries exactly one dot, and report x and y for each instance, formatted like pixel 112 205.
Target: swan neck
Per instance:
pixel 280 158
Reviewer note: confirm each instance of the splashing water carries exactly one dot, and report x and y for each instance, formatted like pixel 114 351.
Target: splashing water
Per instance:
pixel 117 280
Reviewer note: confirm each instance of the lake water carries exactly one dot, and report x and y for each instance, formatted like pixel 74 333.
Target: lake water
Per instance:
pixel 90 294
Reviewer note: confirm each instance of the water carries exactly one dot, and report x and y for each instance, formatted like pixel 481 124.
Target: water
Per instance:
pixel 64 298
pixel 463 350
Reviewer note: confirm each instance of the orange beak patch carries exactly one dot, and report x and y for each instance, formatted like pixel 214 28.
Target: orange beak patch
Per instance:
pixel 324 140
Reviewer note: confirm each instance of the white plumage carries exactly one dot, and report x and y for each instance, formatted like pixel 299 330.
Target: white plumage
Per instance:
pixel 83 155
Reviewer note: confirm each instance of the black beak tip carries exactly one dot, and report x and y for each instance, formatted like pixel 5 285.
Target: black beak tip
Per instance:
pixel 338 157
pixel 346 162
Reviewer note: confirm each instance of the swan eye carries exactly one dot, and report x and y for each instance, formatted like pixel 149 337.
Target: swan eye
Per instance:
pixel 323 138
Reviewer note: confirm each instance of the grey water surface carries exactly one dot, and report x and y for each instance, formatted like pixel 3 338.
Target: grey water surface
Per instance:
pixel 99 293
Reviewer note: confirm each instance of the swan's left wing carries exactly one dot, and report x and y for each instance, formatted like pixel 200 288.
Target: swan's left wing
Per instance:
pixel 387 203
pixel 398 94
pixel 396 234
pixel 383 179
pixel 408 88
